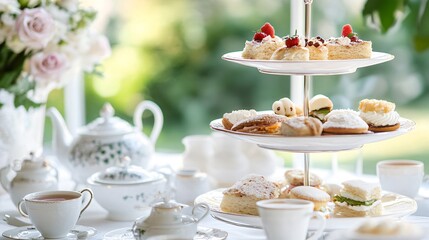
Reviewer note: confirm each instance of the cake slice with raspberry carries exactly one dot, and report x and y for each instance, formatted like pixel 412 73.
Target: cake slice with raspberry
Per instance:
pixel 292 51
pixel 348 46
pixel 264 43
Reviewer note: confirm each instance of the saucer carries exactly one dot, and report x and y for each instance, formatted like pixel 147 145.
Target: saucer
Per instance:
pixel 30 232
pixel 203 233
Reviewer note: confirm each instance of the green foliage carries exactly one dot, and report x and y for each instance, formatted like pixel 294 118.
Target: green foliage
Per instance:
pixel 384 14
pixel 11 65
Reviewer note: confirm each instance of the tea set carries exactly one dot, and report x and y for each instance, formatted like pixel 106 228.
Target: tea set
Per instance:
pixel 111 157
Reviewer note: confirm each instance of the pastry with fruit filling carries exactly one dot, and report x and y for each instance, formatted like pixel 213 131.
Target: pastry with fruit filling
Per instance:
pixel 348 46
pixel 293 51
pixel 264 43
pixel 317 48
pixel 380 115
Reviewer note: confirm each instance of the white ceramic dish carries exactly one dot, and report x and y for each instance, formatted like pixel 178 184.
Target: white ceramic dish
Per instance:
pixel 324 143
pixel 30 232
pixel 202 234
pixel 352 235
pixel 312 67
pixel 394 205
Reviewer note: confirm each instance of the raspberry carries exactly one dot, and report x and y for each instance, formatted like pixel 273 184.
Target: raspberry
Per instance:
pixel 347 29
pixel 292 41
pixel 268 29
pixel 259 36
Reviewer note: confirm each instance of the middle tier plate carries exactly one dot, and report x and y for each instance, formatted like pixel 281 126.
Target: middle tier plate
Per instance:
pixel 324 143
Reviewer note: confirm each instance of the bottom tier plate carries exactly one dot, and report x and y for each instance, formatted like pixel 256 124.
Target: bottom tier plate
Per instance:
pixel 394 206
pixel 324 143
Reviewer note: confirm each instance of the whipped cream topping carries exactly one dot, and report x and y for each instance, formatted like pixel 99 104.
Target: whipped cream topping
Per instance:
pixel 380 119
pixel 358 208
pixel 344 118
pixel 239 115
pixel 341 41
pixel 266 40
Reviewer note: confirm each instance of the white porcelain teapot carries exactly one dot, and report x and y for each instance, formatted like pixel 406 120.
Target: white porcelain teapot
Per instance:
pixel 100 143
pixel 167 218
pixel 30 175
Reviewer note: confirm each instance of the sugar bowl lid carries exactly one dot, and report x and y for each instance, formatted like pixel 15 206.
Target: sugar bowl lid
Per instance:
pixel 125 174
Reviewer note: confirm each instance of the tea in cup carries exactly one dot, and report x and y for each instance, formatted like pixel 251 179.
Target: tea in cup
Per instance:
pixel 288 219
pixel 401 176
pixel 54 213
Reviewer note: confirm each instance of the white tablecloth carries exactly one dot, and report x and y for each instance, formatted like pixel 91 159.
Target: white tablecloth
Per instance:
pixel 95 217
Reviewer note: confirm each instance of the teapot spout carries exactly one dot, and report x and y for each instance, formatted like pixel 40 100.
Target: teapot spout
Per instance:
pixel 61 138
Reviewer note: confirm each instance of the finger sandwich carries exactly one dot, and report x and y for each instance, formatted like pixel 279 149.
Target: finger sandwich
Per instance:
pixel 358 199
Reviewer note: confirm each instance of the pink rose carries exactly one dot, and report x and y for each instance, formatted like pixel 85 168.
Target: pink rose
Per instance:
pixel 35 27
pixel 47 66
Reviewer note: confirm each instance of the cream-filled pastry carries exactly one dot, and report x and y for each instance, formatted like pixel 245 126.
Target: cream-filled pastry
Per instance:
pixel 348 46
pixel 380 115
pixel 229 119
pixel 284 107
pixel 344 121
pixel 263 45
pixel 293 51
pixel 317 48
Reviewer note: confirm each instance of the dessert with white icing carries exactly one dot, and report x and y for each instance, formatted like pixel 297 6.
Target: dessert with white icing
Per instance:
pixel 348 46
pixel 229 119
pixel 317 48
pixel 315 195
pixel 292 50
pixel 358 199
pixel 344 121
pixel 380 115
pixel 243 195
pixel 301 126
pixel 263 44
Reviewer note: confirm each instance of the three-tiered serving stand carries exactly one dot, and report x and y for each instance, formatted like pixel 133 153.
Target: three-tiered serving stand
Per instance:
pixel 307 145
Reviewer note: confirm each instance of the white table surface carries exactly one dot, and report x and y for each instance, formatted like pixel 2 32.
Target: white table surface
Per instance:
pixel 95 216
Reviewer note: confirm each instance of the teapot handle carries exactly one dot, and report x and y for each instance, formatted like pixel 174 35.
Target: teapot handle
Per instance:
pixel 4 180
pixel 205 207
pixel 157 114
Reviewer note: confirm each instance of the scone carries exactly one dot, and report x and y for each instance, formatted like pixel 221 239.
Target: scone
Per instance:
pixel 286 107
pixel 229 119
pixel 380 115
pixel 293 51
pixel 344 121
pixel 358 199
pixel 317 49
pixel 242 196
pixel 301 126
pixel 348 46
pixel 320 106
pixel 315 195
pixel 263 123
pixel 263 45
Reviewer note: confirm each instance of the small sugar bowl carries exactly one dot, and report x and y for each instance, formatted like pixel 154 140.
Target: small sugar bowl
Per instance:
pixel 167 218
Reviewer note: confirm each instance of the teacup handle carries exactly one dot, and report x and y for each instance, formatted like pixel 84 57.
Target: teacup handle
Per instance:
pixel 203 206
pixel 20 208
pixel 158 118
pixel 91 195
pixel 321 227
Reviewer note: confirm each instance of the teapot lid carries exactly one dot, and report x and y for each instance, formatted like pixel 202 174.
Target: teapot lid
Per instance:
pixel 108 124
pixel 125 174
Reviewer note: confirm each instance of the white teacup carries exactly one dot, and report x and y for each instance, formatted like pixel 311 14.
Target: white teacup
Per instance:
pixel 401 176
pixel 288 219
pixel 55 213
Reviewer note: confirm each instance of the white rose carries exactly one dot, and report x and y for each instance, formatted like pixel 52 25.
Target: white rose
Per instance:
pixel 35 28
pixel 9 6
pixel 47 67
pixel 14 43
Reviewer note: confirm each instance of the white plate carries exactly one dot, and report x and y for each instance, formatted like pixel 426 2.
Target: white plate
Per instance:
pixel 324 143
pixel 30 232
pixel 394 205
pixel 352 235
pixel 312 67
pixel 202 234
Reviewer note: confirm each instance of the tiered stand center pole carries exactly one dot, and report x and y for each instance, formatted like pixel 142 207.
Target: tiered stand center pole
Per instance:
pixel 307 82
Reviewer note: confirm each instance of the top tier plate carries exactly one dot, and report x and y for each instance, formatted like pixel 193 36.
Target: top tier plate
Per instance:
pixel 312 67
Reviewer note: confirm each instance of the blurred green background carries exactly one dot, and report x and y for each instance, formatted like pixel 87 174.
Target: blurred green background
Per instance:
pixel 170 52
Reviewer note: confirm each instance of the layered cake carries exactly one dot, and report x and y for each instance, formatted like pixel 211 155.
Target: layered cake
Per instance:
pixel 264 43
pixel 242 196
pixel 348 46
pixel 317 48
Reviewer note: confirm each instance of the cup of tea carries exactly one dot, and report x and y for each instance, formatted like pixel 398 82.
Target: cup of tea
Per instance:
pixel 401 176
pixel 288 219
pixel 55 213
